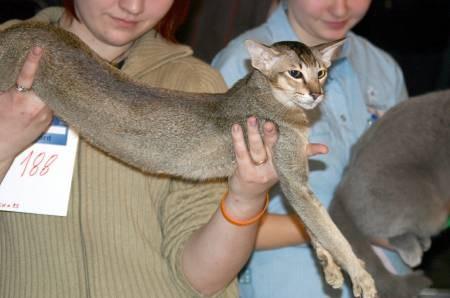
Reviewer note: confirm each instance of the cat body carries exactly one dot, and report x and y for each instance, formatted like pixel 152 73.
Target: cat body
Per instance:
pixel 397 187
pixel 188 134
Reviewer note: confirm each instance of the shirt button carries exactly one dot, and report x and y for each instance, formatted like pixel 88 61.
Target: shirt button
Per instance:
pixel 343 118
pixel 245 277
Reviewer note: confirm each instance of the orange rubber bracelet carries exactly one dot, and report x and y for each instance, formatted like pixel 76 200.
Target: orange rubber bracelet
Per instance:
pixel 242 223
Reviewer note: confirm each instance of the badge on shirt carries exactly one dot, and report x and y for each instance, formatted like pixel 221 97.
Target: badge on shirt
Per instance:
pixel 373 108
pixel 40 178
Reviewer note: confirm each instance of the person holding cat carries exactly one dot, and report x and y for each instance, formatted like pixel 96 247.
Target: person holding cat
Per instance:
pixel 362 83
pixel 129 234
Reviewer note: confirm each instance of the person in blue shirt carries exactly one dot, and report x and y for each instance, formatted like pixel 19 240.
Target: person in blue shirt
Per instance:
pixel 363 83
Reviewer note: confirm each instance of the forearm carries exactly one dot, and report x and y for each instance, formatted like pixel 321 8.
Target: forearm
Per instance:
pixel 280 230
pixel 216 253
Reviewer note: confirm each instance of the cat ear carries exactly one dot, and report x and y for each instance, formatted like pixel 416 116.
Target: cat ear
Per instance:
pixel 329 51
pixel 262 57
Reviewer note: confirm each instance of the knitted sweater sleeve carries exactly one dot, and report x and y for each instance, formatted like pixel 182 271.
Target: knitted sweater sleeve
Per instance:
pixel 190 205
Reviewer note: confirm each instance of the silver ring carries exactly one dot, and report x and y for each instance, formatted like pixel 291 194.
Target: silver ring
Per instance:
pixel 21 88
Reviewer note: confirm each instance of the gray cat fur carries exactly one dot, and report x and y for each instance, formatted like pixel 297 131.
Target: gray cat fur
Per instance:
pixel 178 133
pixel 397 187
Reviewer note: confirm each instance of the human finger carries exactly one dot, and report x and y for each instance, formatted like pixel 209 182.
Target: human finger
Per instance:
pixel 239 146
pixel 257 149
pixel 26 75
pixel 316 149
pixel 270 135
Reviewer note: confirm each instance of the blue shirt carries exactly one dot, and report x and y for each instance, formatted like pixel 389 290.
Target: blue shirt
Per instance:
pixel 364 78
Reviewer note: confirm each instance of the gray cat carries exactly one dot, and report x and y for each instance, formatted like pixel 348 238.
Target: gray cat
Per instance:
pixel 397 187
pixel 188 134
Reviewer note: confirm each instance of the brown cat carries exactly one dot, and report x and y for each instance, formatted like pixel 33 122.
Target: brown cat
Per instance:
pixel 188 134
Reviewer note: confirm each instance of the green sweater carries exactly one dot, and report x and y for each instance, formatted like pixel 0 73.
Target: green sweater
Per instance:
pixel 125 230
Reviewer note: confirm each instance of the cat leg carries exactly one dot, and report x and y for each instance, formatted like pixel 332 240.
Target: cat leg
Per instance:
pixel 292 167
pixel 409 248
pixel 332 272
pixel 388 284
pixel 322 228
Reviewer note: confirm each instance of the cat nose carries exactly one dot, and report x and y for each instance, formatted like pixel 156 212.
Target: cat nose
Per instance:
pixel 315 95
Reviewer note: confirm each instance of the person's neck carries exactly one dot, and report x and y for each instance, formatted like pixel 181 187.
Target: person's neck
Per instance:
pixel 108 52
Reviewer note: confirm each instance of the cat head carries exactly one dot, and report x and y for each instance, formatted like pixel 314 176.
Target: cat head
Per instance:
pixel 296 72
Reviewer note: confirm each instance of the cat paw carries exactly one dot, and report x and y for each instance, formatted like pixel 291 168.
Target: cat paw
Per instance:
pixel 364 285
pixel 407 286
pixel 331 270
pixel 333 275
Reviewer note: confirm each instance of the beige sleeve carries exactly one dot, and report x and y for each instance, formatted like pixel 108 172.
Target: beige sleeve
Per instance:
pixel 187 208
pixel 192 75
pixel 8 24
pixel 190 205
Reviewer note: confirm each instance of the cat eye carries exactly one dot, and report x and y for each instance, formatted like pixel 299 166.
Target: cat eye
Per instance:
pixel 321 73
pixel 295 74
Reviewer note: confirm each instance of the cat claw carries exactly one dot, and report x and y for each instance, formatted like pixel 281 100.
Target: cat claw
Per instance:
pixel 333 274
pixel 364 285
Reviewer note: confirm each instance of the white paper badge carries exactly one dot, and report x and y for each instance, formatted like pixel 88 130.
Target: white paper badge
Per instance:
pixel 40 178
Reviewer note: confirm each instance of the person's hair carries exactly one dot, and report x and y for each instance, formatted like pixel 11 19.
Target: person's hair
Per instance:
pixel 169 24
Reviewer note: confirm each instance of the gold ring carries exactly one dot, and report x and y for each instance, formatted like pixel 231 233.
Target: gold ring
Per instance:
pixel 258 163
pixel 21 88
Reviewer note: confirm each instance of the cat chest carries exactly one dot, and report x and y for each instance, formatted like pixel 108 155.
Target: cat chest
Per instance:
pixel 294 137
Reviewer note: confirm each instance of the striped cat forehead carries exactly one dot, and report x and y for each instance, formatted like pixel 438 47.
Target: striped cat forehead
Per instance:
pixel 304 53
pixel 283 55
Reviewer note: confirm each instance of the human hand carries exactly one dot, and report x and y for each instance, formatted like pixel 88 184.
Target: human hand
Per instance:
pixel 23 116
pixel 255 172
pixel 255 168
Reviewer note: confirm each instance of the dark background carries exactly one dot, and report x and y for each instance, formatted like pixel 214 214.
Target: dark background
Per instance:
pixel 415 32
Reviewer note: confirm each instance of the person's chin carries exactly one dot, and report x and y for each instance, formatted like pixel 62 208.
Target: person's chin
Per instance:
pixel 118 41
pixel 335 30
pixel 122 37
pixel 332 35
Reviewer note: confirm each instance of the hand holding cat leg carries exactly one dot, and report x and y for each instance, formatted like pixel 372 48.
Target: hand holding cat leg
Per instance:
pixel 251 181
pixel 23 116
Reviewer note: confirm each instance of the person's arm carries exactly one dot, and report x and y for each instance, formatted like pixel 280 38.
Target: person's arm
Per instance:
pixel 216 252
pixel 23 116
pixel 277 230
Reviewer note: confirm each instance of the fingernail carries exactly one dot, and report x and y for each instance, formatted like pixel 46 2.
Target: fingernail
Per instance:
pixel 252 121
pixel 235 127
pixel 37 50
